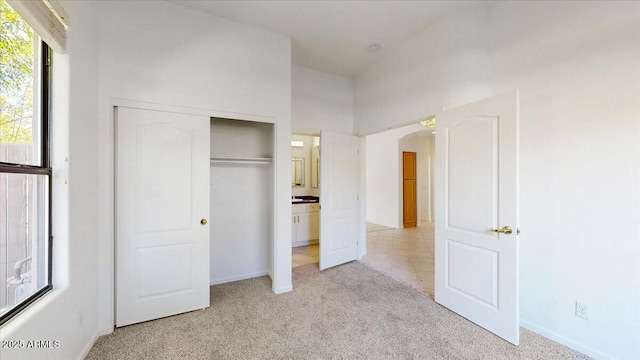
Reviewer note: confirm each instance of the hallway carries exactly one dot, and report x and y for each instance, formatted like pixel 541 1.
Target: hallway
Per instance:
pixel 407 255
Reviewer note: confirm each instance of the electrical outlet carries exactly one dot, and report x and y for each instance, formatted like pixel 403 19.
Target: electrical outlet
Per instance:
pixel 582 310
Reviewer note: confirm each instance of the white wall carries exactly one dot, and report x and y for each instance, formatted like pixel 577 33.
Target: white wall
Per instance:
pixel 428 200
pixel 69 313
pixel 384 173
pixel 444 65
pixel 240 139
pixel 320 101
pixel 576 66
pixel 160 53
pixel 240 216
pixel 420 144
pixel 383 176
pixel 191 61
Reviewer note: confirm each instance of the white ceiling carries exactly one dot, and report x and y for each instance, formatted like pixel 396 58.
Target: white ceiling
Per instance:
pixel 333 36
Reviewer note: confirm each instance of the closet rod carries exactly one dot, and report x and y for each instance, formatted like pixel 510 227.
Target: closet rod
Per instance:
pixel 238 160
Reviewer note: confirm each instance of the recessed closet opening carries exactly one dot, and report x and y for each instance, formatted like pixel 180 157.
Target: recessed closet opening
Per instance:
pixel 241 191
pixel 194 207
pixel 305 200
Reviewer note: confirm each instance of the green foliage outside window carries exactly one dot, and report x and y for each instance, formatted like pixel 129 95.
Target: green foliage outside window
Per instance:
pixel 16 77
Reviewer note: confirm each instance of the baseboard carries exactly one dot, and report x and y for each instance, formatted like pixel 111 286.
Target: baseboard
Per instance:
pixel 103 332
pixel 87 348
pixel 238 277
pixel 561 339
pixel 305 243
pixel 283 290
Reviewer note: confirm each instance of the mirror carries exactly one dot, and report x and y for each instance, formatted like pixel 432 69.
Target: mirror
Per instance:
pixel 297 171
pixel 315 166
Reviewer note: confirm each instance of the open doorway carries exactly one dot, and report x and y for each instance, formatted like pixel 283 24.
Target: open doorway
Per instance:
pixel 394 246
pixel 335 228
pixel 416 152
pixel 305 201
pixel 476 274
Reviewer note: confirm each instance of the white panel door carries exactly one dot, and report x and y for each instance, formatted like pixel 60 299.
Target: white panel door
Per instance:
pixel 338 199
pixel 162 205
pixel 476 200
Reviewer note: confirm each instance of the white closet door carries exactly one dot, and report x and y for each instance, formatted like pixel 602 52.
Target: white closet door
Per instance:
pixel 339 199
pixel 162 207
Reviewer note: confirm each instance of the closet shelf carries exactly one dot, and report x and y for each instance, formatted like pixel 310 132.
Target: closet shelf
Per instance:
pixel 241 160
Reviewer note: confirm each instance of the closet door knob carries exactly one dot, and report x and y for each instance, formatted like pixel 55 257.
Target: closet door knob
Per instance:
pixel 203 221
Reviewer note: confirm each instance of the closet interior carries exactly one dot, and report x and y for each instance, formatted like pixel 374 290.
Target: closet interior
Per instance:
pixel 242 187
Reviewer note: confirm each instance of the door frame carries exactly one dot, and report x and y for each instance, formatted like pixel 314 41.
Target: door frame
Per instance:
pixel 399 157
pixel 362 220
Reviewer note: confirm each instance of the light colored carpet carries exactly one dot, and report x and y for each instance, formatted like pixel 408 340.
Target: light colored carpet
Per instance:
pixel 348 312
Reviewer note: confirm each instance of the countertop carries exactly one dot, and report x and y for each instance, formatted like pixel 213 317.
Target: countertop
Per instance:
pixel 305 200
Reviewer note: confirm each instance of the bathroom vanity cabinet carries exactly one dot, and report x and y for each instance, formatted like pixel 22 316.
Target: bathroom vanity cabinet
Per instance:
pixel 305 224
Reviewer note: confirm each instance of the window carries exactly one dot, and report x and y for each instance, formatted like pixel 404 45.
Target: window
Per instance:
pixel 25 170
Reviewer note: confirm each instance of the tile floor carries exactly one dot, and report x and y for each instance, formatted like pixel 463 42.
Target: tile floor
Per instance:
pixel 304 255
pixel 404 254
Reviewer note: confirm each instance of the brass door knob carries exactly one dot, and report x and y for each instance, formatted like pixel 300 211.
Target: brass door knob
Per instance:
pixel 203 221
pixel 504 230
